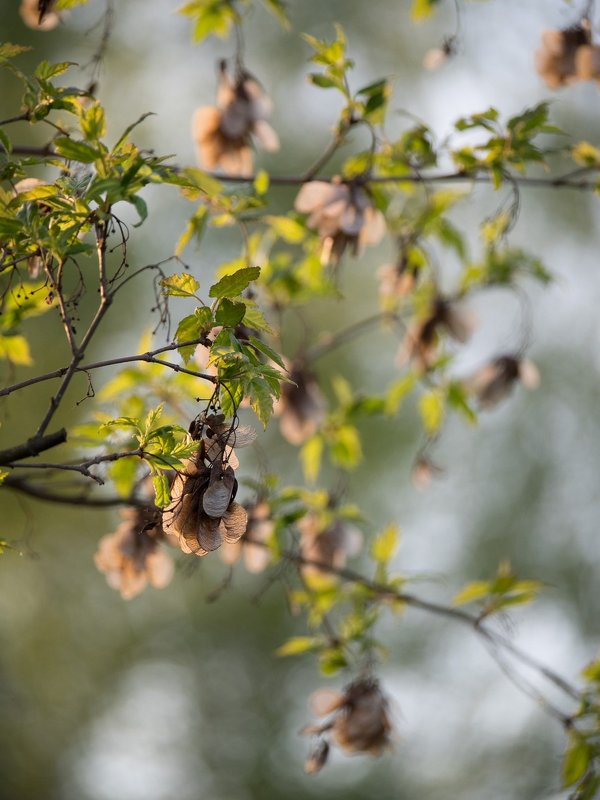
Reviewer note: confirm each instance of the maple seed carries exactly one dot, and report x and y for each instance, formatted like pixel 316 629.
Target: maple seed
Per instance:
pixel 260 529
pixel 557 59
pixel 301 407
pixel 357 719
pixel 420 345
pixel 224 133
pixel 342 214
pixel 38 14
pixel 131 556
pixel 493 382
pixel 329 545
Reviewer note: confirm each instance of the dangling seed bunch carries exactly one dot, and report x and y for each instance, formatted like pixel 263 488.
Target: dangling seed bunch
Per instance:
pixel 357 720
pixel 343 215
pixel 223 133
pixel 328 544
pixel 421 342
pixel 131 557
pixel 494 381
pixel 301 407
pixel 39 14
pixel 253 543
pixel 203 512
pixel 567 56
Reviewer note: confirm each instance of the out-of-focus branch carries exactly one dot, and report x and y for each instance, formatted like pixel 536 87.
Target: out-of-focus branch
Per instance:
pixel 24 485
pixel 32 447
pixel 492 638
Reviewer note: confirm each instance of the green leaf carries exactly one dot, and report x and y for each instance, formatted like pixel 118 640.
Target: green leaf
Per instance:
pixel 229 314
pixel 5 141
pixel 476 590
pixel 234 284
pixel 75 150
pixel 261 182
pixel 46 71
pixel 299 644
pixel 8 50
pixel 3 474
pixel 421 9
pixel 123 473
pixel 310 456
pixel 586 154
pixel 264 348
pixel 140 206
pixel 290 230
pixel 93 123
pixel 345 448
pixel 261 399
pixel 332 661
pixel 431 409
pixel 180 285
pixel 397 392
pixel 385 544
pixel 279 11
pixel 576 759
pixel 457 399
pixel 162 489
pixel 15 349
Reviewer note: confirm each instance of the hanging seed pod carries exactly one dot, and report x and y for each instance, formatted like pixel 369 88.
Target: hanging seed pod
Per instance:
pixel 342 214
pixel 493 382
pixel 357 720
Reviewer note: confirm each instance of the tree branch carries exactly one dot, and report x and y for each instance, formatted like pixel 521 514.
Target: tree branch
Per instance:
pixel 32 447
pixel 110 362
pixel 22 484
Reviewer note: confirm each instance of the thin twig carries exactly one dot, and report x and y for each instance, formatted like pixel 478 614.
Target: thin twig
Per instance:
pixel 110 362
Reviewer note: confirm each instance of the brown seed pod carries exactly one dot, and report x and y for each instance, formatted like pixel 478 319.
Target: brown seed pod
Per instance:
pixel 223 134
pixel 342 214
pixel 357 720
pixel 131 557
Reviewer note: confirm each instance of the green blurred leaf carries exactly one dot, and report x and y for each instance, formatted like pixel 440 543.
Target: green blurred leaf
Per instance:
pixel 16 350
pixel 299 644
pixel 431 409
pixel 310 456
pixel 385 544
pixel 576 759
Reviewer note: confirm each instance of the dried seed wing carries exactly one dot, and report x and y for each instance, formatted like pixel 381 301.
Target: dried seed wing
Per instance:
pixel 312 195
pixel 243 436
pixel 325 701
pixel 235 521
pixel 317 758
pixel 210 533
pixel 529 374
pixel 266 135
pixel 218 495
pixel 159 568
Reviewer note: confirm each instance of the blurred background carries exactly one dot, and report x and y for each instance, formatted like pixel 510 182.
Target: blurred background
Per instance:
pixel 172 696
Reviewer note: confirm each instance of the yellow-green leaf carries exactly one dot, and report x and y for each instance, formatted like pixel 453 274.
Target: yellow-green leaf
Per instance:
pixel 431 409
pixel 576 760
pixel 310 455
pixel 299 644
pixel 385 544
pixel 472 591
pixel 15 349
